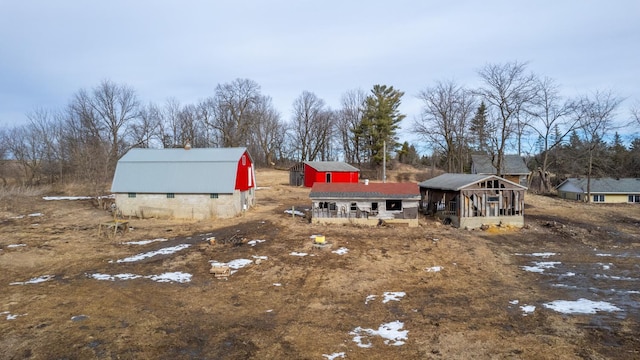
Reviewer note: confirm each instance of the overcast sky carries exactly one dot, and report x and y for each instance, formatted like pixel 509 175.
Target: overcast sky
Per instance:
pixel 182 49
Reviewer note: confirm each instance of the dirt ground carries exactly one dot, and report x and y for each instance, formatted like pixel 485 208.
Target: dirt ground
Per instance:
pixel 287 306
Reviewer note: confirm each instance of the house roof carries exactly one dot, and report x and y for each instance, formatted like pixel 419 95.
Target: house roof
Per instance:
pixel 360 190
pixel 194 171
pixel 332 166
pixel 457 182
pixel 512 165
pixel 601 185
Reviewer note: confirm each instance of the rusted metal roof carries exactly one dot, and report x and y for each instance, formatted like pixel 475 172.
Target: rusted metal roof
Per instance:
pixel 360 190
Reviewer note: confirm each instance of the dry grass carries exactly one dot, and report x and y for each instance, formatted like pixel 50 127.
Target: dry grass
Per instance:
pixel 460 312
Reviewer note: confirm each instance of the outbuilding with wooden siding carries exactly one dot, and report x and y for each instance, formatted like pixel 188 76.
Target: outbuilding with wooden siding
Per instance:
pixel 308 173
pixel 472 200
pixel 365 203
pixel 199 183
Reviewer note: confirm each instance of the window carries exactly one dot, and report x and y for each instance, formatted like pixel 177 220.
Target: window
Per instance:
pixel 578 197
pixel 244 160
pixel 213 196
pixel 171 195
pixel 394 205
pixel 354 207
pixel 493 199
pixel 598 198
pixel 634 198
pixel 374 206
pixel 328 177
pixel 132 195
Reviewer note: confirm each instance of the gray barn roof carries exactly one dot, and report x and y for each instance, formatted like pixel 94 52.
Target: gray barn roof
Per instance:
pixel 512 165
pixel 602 185
pixel 331 166
pixel 195 171
pixel 457 182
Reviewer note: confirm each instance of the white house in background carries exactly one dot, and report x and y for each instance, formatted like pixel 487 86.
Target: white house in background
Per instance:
pixel 184 183
pixel 603 190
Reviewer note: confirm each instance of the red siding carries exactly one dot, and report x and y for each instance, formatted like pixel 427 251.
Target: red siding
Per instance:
pixel 245 173
pixel 312 176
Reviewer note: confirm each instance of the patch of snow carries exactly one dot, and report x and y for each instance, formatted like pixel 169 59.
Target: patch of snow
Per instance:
pixel 239 263
pixel 10 316
pixel 15 245
pixel 341 251
pixel 178 277
pixel 277 284
pixel 144 242
pixel 255 242
pixel 392 296
pixel 604 255
pixel 514 302
pixel 260 257
pixel 541 266
pixel 569 274
pixel 581 306
pixel 544 254
pixel 79 317
pixel 605 266
pixel 233 264
pixel 298 253
pixel 35 214
pixel 527 309
pixel 369 298
pixel 17 217
pixel 392 333
pixel 433 269
pixel 54 198
pixel 270 310
pixel 295 213
pixel 35 280
pixel 163 251
pixel 622 278
pixel 334 355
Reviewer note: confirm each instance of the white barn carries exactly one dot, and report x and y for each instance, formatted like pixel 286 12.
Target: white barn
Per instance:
pixel 184 183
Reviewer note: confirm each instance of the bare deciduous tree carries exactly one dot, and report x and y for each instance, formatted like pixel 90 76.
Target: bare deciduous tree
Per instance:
pixel 348 118
pixel 145 132
pixel 269 132
pixel 446 112
pixel 552 122
pixel 311 126
pixel 233 106
pixel 595 114
pixel 116 107
pixel 507 90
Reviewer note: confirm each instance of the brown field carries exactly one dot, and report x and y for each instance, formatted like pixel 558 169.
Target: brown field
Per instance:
pixel 284 306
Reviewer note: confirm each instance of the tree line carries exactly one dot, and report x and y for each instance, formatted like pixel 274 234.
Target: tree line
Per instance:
pixel 83 141
pixel 516 111
pixel 512 111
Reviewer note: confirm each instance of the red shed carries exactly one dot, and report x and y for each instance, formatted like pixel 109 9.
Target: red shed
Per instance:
pixel 310 172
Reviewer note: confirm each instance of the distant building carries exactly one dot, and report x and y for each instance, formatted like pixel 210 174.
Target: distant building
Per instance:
pixel 365 203
pixel 308 173
pixel 473 200
pixel 184 183
pixel 603 190
pixel 514 168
